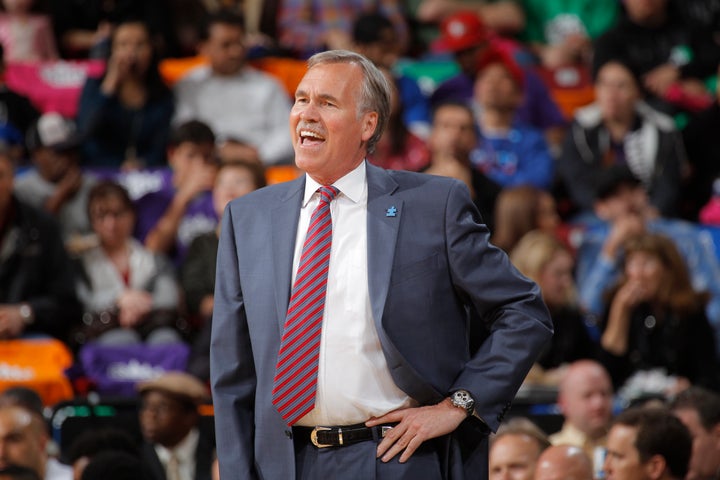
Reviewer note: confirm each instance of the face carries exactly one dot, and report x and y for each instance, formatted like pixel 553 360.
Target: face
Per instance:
pixel 185 157
pixel 705 459
pixel 384 52
pixel 616 92
pixel 586 399
pixel 647 270
pixel 225 49
pixel 467 58
pixel 556 279
pixel 163 419
pixel 6 182
pixel 622 460
pixel 22 441
pixel 547 215
pixel 112 221
pixel 329 133
pixel 513 457
pixel 626 201
pixel 495 88
pixel 132 41
pixel 453 132
pixel 641 11
pixel 231 182
pixel 52 166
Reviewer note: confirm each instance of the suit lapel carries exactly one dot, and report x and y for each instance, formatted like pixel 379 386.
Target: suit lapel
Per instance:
pixel 285 217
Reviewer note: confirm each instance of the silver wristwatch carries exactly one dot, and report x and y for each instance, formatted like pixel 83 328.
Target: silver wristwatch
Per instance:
pixel 463 399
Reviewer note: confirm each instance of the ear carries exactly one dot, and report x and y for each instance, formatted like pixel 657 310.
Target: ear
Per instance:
pixel 655 467
pixel 369 125
pixel 715 434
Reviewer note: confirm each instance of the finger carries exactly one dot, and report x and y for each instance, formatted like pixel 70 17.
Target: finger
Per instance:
pixel 411 448
pixel 391 437
pixel 391 417
pixel 400 445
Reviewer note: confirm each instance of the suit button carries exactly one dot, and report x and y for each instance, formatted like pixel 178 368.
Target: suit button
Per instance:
pixel 288 434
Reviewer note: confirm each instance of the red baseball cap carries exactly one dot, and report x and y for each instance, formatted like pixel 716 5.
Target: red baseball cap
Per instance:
pixel 460 31
pixel 497 55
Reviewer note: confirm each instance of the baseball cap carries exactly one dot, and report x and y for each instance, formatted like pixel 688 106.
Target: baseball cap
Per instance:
pixel 178 384
pixel 460 31
pixel 54 131
pixel 495 55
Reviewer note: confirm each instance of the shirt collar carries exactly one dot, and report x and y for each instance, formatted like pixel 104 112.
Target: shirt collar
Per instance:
pixel 352 185
pixel 185 450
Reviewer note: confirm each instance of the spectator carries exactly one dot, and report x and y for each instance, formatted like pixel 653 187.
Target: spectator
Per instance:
pixel 464 35
pixel 374 36
pixel 515 449
pixel 95 441
pixel 57 184
pixel 623 206
pixel 17 114
pixel 125 115
pixel 23 439
pixel 503 16
pixel 169 422
pixel 114 465
pixel 306 27
pixel 620 129
pixel 655 42
pixel 172 218
pixel 197 272
pixel 398 148
pixel 509 153
pixel 520 210
pixel 452 139
pixel 564 462
pixel 541 257
pixel 585 399
pixel 37 294
pixel 647 444
pixel 235 100
pixel 656 319
pixel 561 32
pixel 699 410
pixel 25 35
pixel 129 293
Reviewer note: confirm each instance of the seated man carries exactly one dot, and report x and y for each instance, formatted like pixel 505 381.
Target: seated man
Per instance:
pixel 699 410
pixel 174 447
pixel 563 462
pixel 515 450
pixel 585 399
pixel 235 100
pixel 647 444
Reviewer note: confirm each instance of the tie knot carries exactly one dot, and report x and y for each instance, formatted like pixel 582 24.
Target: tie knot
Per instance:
pixel 327 193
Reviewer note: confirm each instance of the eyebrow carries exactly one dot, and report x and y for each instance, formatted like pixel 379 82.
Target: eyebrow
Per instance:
pixel 324 96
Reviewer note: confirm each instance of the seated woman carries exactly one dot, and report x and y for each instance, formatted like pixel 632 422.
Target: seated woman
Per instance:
pixel 125 115
pixel 655 320
pixel 619 128
pixel 129 293
pixel 543 258
pixel 519 210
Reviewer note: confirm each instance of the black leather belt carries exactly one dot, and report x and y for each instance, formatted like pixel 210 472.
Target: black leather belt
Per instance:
pixel 323 437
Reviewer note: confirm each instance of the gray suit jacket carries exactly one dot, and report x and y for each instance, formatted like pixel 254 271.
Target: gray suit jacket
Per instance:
pixel 434 280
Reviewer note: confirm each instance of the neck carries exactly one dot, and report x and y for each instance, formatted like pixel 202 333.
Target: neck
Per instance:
pixel 619 127
pixel 496 119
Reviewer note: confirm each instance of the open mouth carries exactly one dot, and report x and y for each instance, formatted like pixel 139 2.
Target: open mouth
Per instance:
pixel 310 138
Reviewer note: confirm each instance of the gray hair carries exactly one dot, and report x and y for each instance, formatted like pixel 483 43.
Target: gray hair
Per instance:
pixel 375 93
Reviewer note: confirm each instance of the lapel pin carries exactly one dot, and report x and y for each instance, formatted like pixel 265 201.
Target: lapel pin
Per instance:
pixel 391 212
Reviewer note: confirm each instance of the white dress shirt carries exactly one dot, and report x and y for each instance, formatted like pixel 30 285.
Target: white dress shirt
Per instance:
pixel 354 381
pixel 185 453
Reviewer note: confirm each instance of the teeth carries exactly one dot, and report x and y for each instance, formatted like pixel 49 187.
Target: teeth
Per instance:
pixel 306 133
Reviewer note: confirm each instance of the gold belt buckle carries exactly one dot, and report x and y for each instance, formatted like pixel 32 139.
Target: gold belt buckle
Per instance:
pixel 314 440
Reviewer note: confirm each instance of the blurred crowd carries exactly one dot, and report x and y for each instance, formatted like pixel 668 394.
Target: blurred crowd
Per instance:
pixel 587 131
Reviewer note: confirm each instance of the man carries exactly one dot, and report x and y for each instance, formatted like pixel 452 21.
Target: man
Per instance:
pixel 37 286
pixel 240 104
pixel 585 398
pixel 515 450
pixel 23 440
pixel 564 462
pixel 647 444
pixel 174 448
pixel 409 266
pixel 699 410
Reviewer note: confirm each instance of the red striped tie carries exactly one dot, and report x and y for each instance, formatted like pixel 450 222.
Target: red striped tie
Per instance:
pixel 297 367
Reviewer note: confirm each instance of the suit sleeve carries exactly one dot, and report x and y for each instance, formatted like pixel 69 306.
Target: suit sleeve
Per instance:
pixel 506 306
pixel 232 369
